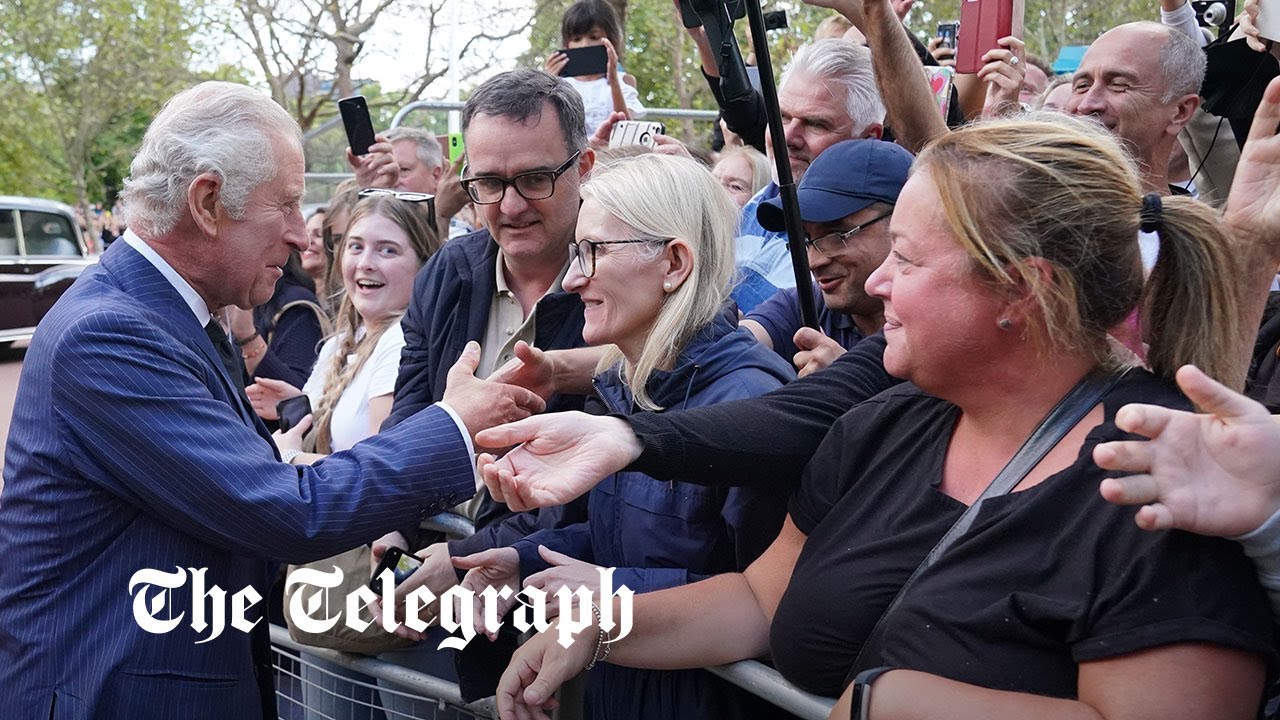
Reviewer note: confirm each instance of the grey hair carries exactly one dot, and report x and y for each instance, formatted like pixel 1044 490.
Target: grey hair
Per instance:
pixel 663 196
pixel 521 94
pixel 845 67
pixel 430 154
pixel 222 128
pixel 1182 65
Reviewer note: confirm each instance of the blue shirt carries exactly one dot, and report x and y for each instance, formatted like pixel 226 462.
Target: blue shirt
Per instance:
pixel 780 317
pixel 762 257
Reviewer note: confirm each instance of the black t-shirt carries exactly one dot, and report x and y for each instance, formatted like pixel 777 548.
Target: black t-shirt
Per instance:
pixel 1045 579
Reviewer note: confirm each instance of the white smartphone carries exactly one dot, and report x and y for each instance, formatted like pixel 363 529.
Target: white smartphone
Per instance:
pixel 636 132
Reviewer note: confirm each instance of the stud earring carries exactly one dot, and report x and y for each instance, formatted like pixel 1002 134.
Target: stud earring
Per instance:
pixel 1004 323
pixel 666 286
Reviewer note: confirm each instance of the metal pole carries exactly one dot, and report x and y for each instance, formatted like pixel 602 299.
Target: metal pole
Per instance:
pixel 786 184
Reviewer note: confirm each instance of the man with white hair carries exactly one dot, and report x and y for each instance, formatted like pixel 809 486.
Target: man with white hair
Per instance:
pixel 827 94
pixel 141 491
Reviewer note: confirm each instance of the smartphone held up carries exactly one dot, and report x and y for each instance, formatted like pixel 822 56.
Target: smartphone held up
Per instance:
pixel 355 118
pixel 985 22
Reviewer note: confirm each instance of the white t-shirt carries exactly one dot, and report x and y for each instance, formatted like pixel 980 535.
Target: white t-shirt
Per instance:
pixel 597 98
pixel 350 422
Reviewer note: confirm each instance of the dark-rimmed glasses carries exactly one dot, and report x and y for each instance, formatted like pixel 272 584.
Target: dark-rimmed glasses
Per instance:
pixel 405 195
pixel 833 244
pixel 588 266
pixel 534 185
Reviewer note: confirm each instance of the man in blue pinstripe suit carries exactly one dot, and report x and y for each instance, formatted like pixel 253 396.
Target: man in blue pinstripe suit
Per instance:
pixel 132 446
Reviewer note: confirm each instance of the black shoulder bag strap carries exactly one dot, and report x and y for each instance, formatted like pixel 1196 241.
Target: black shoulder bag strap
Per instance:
pixel 1069 411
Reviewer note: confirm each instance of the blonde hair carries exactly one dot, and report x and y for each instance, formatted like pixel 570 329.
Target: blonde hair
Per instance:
pixel 353 349
pixel 661 196
pixel 1062 189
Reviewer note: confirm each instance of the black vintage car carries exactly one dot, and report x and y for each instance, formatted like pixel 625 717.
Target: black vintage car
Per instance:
pixel 42 252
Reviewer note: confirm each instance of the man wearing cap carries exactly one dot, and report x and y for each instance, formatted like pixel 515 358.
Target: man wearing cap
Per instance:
pixel 845 198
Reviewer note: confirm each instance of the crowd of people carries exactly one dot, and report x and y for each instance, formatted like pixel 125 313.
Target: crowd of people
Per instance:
pixel 1040 300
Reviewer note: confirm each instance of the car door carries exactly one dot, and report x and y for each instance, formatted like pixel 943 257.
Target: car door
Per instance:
pixel 52 257
pixel 15 281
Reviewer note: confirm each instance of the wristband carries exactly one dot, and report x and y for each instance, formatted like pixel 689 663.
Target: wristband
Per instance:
pixel 603 645
pixel 288 455
pixel 249 339
pixel 860 708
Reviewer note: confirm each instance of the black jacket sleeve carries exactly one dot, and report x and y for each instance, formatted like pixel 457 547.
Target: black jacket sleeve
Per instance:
pixel 745 116
pixel 765 439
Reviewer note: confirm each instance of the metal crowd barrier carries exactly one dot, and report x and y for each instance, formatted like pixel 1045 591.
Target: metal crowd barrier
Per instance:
pixel 650 113
pixel 307 690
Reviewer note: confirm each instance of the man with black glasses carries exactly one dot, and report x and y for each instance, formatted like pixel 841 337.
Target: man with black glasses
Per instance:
pixel 527 154
pixel 846 198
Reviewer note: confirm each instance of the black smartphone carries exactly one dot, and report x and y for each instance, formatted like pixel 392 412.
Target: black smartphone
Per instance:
pixel 775 20
pixel 401 564
pixel 589 60
pixel 947 33
pixel 292 411
pixel 355 117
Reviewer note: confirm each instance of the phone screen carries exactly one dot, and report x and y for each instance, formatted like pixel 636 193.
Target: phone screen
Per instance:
pixel 589 60
pixel 402 564
pixel 355 117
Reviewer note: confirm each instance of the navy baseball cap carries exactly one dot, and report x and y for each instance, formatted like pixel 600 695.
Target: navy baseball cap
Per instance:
pixel 844 179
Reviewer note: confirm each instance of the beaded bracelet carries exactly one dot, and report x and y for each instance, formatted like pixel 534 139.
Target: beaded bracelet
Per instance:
pixel 602 641
pixel 251 355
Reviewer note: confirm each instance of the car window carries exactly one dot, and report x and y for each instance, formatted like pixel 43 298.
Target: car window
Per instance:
pixel 48 234
pixel 8 233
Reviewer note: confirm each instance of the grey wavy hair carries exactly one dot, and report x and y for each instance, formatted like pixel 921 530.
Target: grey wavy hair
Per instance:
pixel 429 153
pixel 845 68
pixel 223 128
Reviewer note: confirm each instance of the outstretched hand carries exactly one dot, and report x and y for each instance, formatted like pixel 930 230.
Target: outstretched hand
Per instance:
pixel 482 404
pixel 265 393
pixel 537 670
pixel 1253 208
pixel 563 455
pixel 531 368
pixel 377 168
pixel 1213 473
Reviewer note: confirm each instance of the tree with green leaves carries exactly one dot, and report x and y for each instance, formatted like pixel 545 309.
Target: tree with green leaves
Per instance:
pixel 82 78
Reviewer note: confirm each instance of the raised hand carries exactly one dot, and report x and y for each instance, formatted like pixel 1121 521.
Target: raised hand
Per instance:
pixel 266 392
pixel 816 351
pixel 482 404
pixel 538 669
pixel 555 63
pixel 600 139
pixel 1213 473
pixel 497 568
pixel 563 455
pixel 944 54
pixel 451 197
pixel 377 168
pixel 1004 71
pixel 1253 208
pixel 851 9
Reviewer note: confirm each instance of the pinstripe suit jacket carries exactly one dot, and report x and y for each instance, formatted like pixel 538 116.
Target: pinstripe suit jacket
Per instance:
pixel 130 449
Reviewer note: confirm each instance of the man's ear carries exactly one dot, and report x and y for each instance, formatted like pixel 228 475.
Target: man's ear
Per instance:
pixel 679 257
pixel 204 202
pixel 586 162
pixel 874 131
pixel 1184 110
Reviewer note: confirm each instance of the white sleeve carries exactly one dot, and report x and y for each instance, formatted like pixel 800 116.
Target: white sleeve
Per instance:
pixel 1184 20
pixel 1263 547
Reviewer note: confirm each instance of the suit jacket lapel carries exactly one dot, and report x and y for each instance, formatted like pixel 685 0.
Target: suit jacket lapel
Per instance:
pixel 142 281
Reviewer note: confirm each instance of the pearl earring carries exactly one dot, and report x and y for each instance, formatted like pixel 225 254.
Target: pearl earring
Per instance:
pixel 666 286
pixel 1005 323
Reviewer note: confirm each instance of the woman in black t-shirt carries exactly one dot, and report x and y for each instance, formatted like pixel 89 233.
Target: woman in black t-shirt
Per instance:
pixel 998 299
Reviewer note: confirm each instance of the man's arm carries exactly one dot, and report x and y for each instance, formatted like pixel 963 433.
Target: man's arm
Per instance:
pixel 146 428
